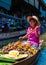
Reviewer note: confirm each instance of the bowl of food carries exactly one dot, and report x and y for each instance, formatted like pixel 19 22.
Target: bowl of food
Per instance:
pixel 14 52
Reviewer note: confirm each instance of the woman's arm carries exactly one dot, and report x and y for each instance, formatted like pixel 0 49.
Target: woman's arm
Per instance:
pixel 23 37
pixel 28 33
pixel 37 31
pixel 37 35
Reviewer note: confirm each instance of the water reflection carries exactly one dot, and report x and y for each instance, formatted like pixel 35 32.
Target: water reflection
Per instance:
pixel 42 59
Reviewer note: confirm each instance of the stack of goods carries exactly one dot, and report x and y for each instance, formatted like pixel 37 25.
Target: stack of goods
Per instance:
pixel 17 50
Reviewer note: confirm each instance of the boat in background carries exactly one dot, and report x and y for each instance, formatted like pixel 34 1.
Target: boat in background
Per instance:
pixel 11 27
pixel 12 34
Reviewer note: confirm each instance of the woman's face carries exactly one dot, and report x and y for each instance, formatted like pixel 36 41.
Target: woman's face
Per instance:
pixel 32 23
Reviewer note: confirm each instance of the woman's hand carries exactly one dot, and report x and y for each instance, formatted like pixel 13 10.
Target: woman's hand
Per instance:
pixel 37 28
pixel 20 38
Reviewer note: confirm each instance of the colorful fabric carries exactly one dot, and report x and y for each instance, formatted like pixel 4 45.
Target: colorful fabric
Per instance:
pixel 32 37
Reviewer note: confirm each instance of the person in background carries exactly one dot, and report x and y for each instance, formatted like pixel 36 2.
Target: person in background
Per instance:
pixel 33 32
pixel 6 29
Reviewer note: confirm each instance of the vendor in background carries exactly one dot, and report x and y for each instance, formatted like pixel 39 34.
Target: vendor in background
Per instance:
pixel 22 23
pixel 6 29
pixel 33 32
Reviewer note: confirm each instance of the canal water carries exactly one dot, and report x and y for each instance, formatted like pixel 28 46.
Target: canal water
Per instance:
pixel 42 58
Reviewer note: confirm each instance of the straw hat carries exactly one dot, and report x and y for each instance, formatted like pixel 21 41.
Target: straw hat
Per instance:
pixel 35 18
pixel 29 18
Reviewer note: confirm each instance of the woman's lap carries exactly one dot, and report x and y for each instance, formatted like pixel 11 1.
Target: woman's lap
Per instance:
pixel 34 45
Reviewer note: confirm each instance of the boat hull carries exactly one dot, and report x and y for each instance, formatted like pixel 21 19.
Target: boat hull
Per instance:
pixel 29 60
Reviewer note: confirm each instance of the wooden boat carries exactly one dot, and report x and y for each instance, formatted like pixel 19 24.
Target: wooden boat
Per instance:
pixel 12 34
pixel 29 60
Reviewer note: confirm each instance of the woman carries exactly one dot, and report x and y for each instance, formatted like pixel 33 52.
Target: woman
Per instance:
pixel 33 32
